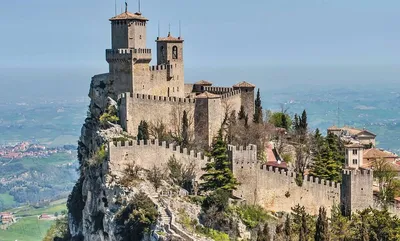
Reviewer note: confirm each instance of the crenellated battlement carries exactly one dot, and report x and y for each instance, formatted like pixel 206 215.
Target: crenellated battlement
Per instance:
pixel 349 172
pixel 115 55
pixel 230 94
pixel 217 90
pixel 156 98
pixel 163 144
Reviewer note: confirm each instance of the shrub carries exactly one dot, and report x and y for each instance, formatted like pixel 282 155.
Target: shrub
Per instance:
pixel 58 231
pixel 252 215
pixel 109 116
pixel 136 218
pixel 218 199
pixel 100 155
pixel 287 157
pixel 155 176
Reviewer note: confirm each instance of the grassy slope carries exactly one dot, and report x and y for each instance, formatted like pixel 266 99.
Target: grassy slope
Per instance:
pixel 30 228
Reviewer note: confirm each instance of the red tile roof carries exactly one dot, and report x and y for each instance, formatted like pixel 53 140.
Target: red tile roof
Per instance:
pixel 244 84
pixel 129 16
pixel 203 82
pixel 208 95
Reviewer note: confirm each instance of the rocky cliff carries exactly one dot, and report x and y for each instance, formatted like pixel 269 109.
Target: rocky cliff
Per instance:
pixel 101 203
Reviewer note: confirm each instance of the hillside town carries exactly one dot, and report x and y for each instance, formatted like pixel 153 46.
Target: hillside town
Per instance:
pixel 26 149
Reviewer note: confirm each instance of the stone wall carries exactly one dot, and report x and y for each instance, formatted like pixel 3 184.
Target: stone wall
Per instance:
pixel 151 153
pixel 275 189
pixel 137 107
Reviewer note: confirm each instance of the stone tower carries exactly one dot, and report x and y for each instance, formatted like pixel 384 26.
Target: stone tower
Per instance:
pixel 129 58
pixel 247 97
pixel 356 190
pixel 207 117
pixel 170 53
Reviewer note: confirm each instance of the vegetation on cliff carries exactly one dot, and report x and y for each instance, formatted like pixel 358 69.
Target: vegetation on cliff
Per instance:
pixel 137 218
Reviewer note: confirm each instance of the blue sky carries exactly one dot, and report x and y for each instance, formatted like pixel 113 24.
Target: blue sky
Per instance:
pixel 276 40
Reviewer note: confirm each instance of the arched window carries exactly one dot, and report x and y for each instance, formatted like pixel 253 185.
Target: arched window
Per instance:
pixel 174 52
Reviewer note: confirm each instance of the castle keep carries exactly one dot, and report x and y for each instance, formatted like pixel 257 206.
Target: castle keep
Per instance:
pixel 158 93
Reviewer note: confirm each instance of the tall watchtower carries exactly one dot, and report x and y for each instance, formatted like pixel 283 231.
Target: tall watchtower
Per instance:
pixel 170 52
pixel 129 58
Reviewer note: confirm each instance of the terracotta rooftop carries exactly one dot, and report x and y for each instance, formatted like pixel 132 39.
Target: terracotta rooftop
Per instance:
pixel 244 84
pixel 334 128
pixel 376 153
pixel 170 38
pixel 203 82
pixel 129 16
pixel 208 95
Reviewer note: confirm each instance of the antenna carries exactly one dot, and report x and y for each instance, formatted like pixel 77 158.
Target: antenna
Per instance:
pixel 180 29
pixel 169 29
pixel 139 5
pixel 115 7
pixel 126 6
pixel 158 28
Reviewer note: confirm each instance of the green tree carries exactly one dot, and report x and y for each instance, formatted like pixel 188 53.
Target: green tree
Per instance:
pixel 303 121
pixel 263 234
pixel 143 131
pixel 155 176
pixel 340 225
pixel 302 224
pixel 280 119
pixel 258 114
pixel 218 171
pixel 180 174
pixel 322 229
pixel 185 130
pixel 242 113
pixel 136 218
pixel 288 228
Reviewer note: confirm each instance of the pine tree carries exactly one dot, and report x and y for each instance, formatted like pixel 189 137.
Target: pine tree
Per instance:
pixel 264 235
pixel 322 229
pixel 288 228
pixel 325 161
pixel 303 228
pixel 296 123
pixel 279 233
pixel 340 225
pixel 185 130
pixel 242 113
pixel 258 116
pixel 218 172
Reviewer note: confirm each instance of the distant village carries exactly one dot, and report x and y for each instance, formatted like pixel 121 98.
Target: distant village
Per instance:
pixel 26 149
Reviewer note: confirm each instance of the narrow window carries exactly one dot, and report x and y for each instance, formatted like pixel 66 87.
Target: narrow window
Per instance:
pixel 355 161
pixel 173 89
pixel 354 152
pixel 177 89
pixel 140 36
pixel 174 52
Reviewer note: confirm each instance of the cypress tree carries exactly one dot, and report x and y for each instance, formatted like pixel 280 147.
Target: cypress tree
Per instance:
pixel 143 131
pixel 218 174
pixel 288 228
pixel 296 122
pixel 322 230
pixel 146 135
pixel 303 121
pixel 303 236
pixel 242 113
pixel 185 130
pixel 258 116
pixel 140 135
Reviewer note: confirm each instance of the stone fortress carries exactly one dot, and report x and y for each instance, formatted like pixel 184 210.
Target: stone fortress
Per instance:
pixel 156 93
pixel 153 93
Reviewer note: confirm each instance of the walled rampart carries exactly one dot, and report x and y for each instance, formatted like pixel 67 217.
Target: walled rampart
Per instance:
pixel 168 110
pixel 275 189
pixel 150 153
pixel 115 55
pixel 217 90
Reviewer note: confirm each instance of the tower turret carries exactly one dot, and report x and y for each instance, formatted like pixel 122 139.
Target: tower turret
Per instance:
pixel 129 58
